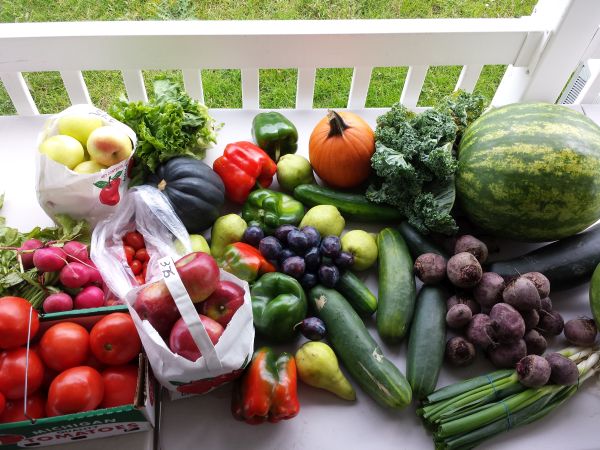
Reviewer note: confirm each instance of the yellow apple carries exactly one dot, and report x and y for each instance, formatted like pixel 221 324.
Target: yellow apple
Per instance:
pixel 79 127
pixel 63 149
pixel 88 167
pixel 109 145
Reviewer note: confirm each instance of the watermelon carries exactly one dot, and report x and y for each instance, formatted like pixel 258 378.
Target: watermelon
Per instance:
pixel 530 172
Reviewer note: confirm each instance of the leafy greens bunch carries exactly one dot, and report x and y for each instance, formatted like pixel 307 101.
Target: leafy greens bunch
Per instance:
pixel 415 160
pixel 171 124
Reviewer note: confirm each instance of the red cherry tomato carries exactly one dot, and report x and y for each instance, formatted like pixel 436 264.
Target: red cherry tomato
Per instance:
pixel 142 255
pixel 136 267
pixel 144 271
pixel 13 364
pixel 64 345
pixel 2 403
pixel 134 239
pixel 140 279
pixel 75 390
pixel 114 339
pixel 14 322
pixel 129 253
pixel 14 412
pixel 120 385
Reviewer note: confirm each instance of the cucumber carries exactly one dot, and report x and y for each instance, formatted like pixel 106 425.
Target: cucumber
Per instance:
pixel 357 293
pixel 351 206
pixel 419 244
pixel 595 295
pixel 397 289
pixel 357 350
pixel 567 263
pixel 427 341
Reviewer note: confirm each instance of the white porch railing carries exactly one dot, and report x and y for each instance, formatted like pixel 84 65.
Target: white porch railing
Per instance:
pixel 541 51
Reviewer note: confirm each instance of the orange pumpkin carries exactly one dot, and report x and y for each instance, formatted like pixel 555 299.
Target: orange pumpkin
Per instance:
pixel 340 149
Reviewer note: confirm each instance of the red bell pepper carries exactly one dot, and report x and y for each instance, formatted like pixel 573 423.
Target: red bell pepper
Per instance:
pixel 244 261
pixel 267 390
pixel 243 166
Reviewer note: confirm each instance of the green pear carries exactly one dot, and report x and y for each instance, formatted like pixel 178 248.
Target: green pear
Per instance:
pixel 326 219
pixel 363 247
pixel 318 366
pixel 226 230
pixel 198 243
pixel 293 170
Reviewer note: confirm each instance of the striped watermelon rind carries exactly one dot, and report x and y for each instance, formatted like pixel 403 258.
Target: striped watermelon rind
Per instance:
pixel 530 172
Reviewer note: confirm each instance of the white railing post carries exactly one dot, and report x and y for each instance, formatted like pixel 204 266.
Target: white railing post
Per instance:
pixel 570 26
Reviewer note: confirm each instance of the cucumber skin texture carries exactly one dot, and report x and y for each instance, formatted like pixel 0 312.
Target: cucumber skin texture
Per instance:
pixel 427 341
pixel 357 350
pixel 567 263
pixel 595 295
pixel 357 293
pixel 397 289
pixel 351 206
pixel 419 244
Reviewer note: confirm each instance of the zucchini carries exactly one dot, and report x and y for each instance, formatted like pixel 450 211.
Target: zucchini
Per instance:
pixel 419 244
pixel 427 341
pixel 595 295
pixel 357 293
pixel 567 263
pixel 351 206
pixel 397 289
pixel 357 350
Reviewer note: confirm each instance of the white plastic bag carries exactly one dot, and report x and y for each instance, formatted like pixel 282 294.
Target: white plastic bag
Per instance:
pixel 62 191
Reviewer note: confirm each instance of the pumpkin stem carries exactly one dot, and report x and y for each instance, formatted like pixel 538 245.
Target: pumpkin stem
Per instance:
pixel 336 124
pixel 162 185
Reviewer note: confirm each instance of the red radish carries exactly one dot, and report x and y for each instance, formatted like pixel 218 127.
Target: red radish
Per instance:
pixel 27 258
pixel 74 275
pixel 89 297
pixel 94 276
pixel 49 259
pixel 76 251
pixel 58 302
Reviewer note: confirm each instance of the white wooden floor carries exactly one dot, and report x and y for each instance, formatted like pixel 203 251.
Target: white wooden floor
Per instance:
pixel 324 421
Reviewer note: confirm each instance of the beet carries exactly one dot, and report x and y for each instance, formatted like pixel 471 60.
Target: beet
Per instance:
pixel 508 324
pixel 531 319
pixel 480 331
pixel 551 323
pixel 563 371
pixel 430 268
pixel 505 356
pixel 541 283
pixel 533 371
pixel 458 316
pixel 581 331
pixel 522 294
pixel 459 351
pixel 536 343
pixel 466 300
pixel 489 290
pixel 463 270
pixel 546 304
pixel 472 245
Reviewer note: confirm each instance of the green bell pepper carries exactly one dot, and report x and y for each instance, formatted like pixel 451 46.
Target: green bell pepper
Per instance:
pixel 270 209
pixel 278 304
pixel 275 134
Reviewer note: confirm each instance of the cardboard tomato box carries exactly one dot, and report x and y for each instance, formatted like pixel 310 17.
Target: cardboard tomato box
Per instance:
pixel 99 423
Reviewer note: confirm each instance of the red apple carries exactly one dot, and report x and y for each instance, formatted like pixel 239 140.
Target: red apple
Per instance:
pixel 200 275
pixel 223 302
pixel 155 304
pixel 181 341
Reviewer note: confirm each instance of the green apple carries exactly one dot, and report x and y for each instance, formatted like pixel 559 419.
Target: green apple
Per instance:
pixel 226 230
pixel 63 149
pixel 293 170
pixel 326 219
pixel 109 145
pixel 79 127
pixel 198 243
pixel 362 245
pixel 88 167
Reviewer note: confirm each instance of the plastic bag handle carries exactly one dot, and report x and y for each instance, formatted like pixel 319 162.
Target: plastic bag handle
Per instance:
pixel 189 313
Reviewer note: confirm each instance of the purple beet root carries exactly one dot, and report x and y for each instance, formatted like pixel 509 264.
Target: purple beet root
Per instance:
pixel 480 331
pixel 488 291
pixel 463 270
pixel 508 324
pixel 505 356
pixel 472 245
pixel 522 294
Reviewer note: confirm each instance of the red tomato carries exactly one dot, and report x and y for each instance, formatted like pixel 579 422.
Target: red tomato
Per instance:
pixel 136 267
pixel 12 372
pixel 120 385
pixel 2 403
pixel 14 412
pixel 129 253
pixel 134 239
pixel 75 390
pixel 114 339
pixel 144 271
pixel 64 345
pixel 142 255
pixel 140 279
pixel 14 322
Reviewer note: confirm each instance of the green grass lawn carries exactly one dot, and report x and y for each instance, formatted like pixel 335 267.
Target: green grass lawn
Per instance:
pixel 277 87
